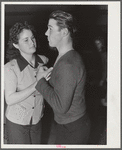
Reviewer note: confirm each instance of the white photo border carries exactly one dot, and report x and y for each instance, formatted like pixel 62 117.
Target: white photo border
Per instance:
pixel 113 75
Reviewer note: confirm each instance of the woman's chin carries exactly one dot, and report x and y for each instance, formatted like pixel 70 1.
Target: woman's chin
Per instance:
pixel 33 50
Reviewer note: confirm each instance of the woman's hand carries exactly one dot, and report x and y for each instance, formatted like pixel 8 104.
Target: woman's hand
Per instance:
pixel 44 72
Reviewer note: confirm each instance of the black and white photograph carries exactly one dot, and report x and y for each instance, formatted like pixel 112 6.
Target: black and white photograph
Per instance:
pixel 60 74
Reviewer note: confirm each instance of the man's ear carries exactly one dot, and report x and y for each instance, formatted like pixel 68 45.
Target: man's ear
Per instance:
pixel 65 31
pixel 16 46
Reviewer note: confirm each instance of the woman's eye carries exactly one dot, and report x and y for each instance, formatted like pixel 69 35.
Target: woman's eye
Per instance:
pixel 26 40
pixel 33 38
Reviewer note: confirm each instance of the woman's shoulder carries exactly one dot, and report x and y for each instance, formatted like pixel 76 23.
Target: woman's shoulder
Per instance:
pixel 11 64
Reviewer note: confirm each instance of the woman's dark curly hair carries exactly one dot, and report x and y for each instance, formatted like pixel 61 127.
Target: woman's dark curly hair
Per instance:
pixel 12 52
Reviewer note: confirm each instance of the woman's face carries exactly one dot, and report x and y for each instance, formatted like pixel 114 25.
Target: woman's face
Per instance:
pixel 27 42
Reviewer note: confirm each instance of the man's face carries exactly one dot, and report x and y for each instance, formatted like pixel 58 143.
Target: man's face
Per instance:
pixel 54 34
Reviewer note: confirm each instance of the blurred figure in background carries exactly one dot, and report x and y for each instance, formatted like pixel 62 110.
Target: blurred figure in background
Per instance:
pixel 102 51
pixel 24 104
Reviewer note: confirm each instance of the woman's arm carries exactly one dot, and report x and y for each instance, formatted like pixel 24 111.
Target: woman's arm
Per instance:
pixel 11 94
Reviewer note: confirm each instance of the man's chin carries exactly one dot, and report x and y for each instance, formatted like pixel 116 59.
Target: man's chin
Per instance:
pixel 52 48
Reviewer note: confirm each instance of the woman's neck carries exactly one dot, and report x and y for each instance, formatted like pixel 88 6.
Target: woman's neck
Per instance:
pixel 30 58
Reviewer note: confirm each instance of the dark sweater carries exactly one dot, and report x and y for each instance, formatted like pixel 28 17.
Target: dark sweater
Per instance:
pixel 66 88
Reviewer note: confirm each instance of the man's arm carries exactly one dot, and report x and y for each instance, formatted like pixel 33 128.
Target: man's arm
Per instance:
pixel 60 96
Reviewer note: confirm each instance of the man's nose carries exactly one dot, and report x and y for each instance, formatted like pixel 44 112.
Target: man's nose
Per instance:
pixel 46 33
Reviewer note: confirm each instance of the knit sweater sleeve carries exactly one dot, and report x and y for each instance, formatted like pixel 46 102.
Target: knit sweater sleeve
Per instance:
pixel 60 96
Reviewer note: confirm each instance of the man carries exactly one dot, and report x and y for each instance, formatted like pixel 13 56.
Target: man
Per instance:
pixel 66 87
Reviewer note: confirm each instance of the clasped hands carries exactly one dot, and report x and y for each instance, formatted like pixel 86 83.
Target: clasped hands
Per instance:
pixel 44 72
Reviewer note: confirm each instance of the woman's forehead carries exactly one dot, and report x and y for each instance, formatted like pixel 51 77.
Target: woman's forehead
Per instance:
pixel 25 33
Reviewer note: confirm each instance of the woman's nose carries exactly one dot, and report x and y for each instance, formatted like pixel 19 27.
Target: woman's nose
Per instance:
pixel 31 42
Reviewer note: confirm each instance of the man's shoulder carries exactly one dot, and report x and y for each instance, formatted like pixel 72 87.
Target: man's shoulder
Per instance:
pixel 73 55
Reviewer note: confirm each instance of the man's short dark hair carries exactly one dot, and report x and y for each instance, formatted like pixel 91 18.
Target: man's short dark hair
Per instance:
pixel 64 20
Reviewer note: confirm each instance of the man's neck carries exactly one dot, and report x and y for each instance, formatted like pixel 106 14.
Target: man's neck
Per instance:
pixel 65 47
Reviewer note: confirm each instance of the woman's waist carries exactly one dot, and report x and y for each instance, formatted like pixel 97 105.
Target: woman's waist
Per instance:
pixel 27 104
pixel 22 114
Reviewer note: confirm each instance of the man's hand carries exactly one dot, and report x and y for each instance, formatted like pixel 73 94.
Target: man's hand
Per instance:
pixel 44 72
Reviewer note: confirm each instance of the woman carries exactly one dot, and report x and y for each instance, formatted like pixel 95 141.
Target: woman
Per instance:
pixel 24 104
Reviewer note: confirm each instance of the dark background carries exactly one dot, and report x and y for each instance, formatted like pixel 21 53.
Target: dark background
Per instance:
pixel 91 22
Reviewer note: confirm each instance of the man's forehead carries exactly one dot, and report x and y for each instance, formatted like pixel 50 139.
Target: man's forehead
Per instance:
pixel 52 22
